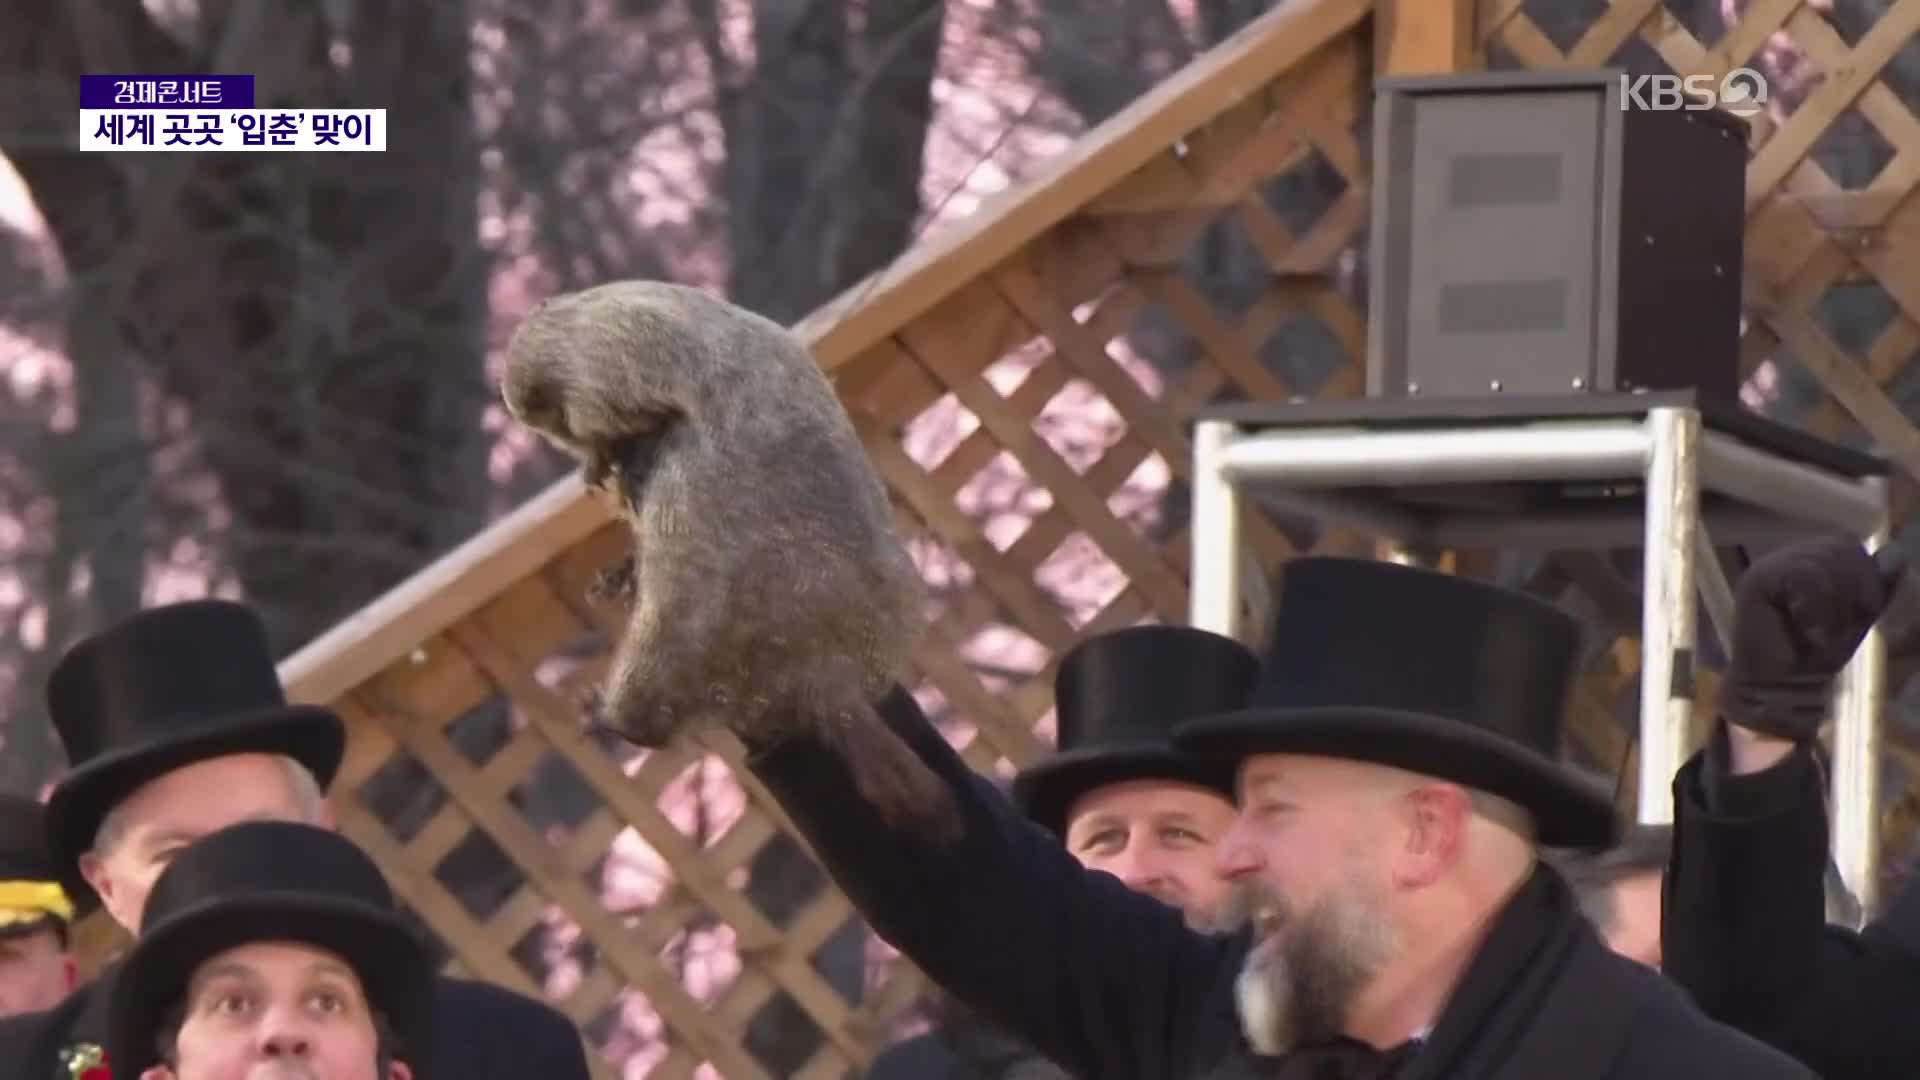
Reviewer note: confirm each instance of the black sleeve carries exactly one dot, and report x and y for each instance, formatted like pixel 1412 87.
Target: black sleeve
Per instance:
pixel 1105 981
pixel 564 1053
pixel 1745 930
pixel 481 1029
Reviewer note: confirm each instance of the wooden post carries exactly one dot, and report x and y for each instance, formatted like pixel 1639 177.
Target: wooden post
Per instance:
pixel 1425 37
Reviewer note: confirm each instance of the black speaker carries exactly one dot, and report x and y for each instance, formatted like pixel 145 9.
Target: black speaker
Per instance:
pixel 1538 233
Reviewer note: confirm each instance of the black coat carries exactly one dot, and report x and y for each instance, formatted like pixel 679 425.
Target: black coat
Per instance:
pixel 480 1032
pixel 1745 929
pixel 1111 984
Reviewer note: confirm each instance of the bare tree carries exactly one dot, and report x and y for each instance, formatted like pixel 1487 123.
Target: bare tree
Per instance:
pixel 825 129
pixel 305 328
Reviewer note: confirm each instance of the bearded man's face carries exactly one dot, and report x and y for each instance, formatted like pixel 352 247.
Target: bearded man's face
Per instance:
pixel 1308 856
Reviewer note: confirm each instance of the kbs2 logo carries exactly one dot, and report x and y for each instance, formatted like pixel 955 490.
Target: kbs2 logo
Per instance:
pixel 1741 92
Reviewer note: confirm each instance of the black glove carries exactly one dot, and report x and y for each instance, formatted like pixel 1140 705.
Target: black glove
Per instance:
pixel 1798 616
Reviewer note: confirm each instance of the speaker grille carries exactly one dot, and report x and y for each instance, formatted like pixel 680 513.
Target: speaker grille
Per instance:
pixel 1503 307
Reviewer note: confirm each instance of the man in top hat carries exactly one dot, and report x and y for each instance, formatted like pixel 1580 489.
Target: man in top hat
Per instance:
pixel 271 948
pixel 36 914
pixel 1116 792
pixel 1396 772
pixel 1746 930
pixel 1122 800
pixel 176 726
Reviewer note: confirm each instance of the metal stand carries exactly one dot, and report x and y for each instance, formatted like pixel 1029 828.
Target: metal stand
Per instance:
pixel 1657 471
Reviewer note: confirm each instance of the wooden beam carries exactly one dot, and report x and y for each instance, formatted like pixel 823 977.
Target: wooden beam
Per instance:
pixel 1426 37
pixel 446 591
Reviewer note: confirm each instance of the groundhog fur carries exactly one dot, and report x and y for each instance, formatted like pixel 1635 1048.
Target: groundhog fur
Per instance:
pixel 768 591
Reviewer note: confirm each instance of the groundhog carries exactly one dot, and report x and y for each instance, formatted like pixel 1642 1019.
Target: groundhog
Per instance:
pixel 768 590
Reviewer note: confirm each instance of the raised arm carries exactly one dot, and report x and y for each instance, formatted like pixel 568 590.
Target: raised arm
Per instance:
pixel 1744 908
pixel 1107 982
pixel 1745 930
pixel 1744 926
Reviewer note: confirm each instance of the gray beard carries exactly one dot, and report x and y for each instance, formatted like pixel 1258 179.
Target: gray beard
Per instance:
pixel 1298 985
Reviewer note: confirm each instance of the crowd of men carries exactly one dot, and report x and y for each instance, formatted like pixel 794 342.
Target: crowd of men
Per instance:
pixel 194 812
pixel 1358 853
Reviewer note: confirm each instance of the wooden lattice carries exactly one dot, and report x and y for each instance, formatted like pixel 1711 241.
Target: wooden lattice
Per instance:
pixel 1203 244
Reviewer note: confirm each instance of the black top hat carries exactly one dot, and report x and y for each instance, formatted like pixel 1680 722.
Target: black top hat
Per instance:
pixel 1439 675
pixel 165 688
pixel 23 841
pixel 1117 697
pixel 30 881
pixel 268 881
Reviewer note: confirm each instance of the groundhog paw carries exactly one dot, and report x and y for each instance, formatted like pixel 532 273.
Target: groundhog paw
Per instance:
pixel 597 467
pixel 592 703
pixel 613 585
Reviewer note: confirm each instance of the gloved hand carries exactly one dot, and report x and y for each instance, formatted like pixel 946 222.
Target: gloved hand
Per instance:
pixel 1798 616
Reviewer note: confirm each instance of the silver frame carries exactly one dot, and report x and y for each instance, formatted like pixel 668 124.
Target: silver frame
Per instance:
pixel 1668 451
pixel 1859 702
